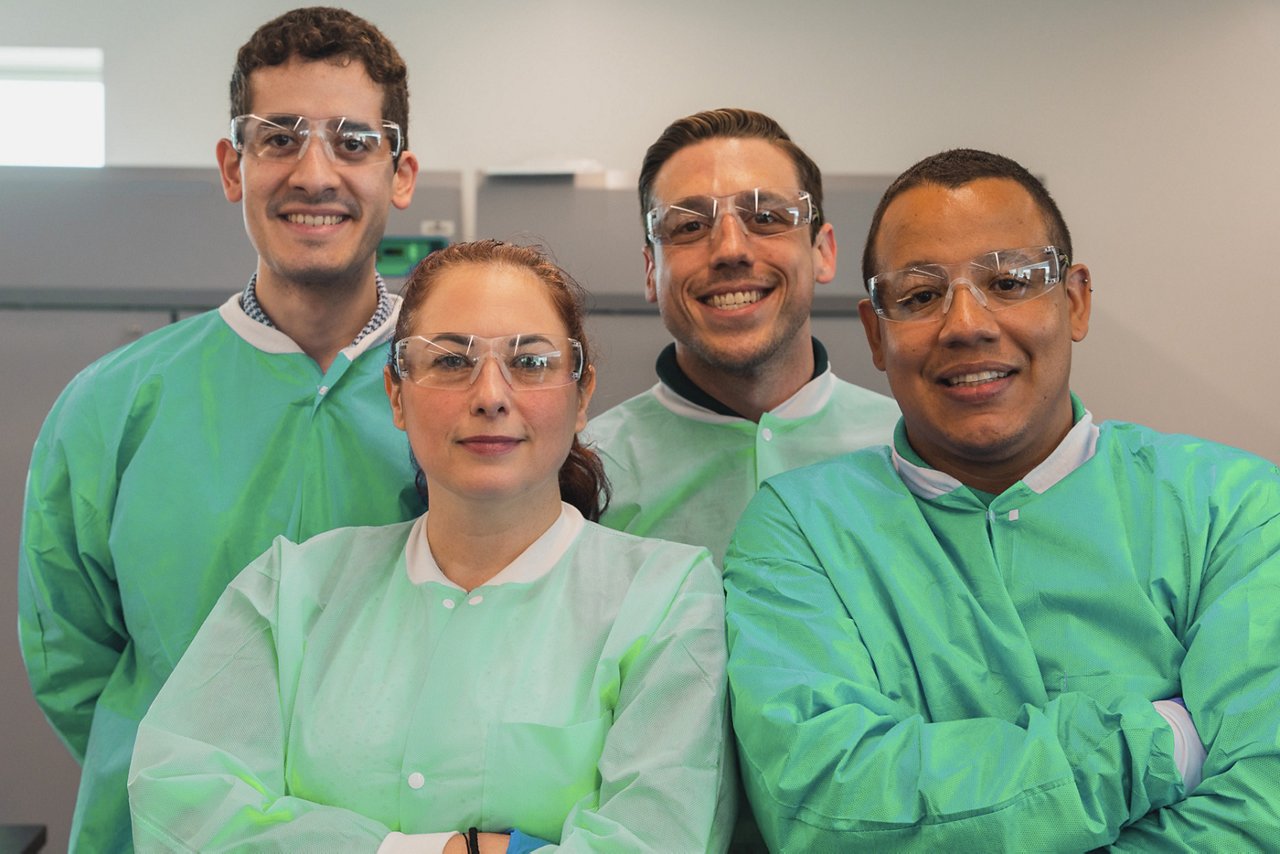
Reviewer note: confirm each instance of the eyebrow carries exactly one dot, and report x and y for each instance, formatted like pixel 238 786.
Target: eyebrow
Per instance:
pixel 1019 256
pixel 770 195
pixel 290 120
pixel 1002 253
pixel 356 125
pixel 451 337
pixel 913 265
pixel 286 120
pixel 684 204
pixel 518 339
pixel 529 338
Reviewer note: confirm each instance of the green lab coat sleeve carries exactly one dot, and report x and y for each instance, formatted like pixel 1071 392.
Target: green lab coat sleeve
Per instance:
pixel 1230 680
pixel 70 620
pixel 666 767
pixel 213 783
pixel 833 763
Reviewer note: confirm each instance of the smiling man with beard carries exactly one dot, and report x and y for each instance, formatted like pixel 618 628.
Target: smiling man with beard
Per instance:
pixel 168 465
pixel 735 243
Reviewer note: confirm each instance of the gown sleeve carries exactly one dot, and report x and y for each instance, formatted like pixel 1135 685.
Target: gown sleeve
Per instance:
pixel 207 780
pixel 666 770
pixel 1230 682
pixel 70 619
pixel 833 762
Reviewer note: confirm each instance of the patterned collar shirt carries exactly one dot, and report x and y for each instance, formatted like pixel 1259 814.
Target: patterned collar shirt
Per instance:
pixel 249 302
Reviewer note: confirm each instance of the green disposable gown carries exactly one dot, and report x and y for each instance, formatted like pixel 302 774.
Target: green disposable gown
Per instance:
pixel 345 691
pixel 682 472
pixel 162 470
pixel 943 675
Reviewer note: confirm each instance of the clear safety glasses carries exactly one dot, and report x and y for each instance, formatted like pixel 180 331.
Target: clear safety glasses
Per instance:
pixel 763 212
pixel 528 361
pixel 346 141
pixel 998 280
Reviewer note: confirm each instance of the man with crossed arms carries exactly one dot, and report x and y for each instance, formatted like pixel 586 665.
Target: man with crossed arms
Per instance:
pixel 1016 628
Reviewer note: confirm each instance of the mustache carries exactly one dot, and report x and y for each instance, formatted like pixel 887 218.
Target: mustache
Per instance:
pixel 327 198
pixel 732 276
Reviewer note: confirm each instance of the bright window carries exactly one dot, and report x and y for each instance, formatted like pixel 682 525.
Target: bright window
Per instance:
pixel 53 99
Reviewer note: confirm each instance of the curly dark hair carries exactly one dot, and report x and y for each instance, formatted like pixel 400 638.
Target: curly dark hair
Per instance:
pixel 582 479
pixel 325 33
pixel 728 123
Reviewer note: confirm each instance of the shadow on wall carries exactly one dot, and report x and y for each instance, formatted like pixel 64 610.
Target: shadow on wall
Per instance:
pixel 1122 372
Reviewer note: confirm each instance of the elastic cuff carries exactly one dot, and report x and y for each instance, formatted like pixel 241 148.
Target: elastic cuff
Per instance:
pixel 396 842
pixel 1188 752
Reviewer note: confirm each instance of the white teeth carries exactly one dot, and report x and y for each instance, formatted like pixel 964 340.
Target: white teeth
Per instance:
pixel 735 299
pixel 308 219
pixel 980 377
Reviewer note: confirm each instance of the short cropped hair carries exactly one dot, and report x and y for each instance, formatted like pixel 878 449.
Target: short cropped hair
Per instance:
pixel 955 168
pixel 323 33
pixel 728 123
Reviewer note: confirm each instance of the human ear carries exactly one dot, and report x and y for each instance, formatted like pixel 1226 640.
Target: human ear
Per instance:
pixel 392 384
pixel 871 325
pixel 650 271
pixel 585 391
pixel 404 180
pixel 229 171
pixel 824 254
pixel 1079 287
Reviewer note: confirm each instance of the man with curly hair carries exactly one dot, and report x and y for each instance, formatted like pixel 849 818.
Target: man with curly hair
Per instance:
pixel 167 466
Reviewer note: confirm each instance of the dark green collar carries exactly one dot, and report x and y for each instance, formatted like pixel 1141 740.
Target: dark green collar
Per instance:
pixel 674 378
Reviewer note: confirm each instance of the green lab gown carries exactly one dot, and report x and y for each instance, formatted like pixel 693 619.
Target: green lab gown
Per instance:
pixel 684 473
pixel 162 470
pixel 940 675
pixel 345 689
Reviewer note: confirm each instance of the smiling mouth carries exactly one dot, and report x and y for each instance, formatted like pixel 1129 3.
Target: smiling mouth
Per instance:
pixel 734 299
pixel 309 219
pixel 975 378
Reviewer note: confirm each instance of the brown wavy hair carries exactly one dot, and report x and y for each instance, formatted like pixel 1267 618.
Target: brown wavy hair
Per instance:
pixel 582 479
pixel 728 123
pixel 323 33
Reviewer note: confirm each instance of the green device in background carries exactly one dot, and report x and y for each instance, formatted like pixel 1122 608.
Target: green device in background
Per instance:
pixel 397 256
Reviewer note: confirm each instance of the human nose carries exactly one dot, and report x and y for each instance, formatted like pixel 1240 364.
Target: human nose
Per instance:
pixel 730 243
pixel 490 387
pixel 965 315
pixel 315 168
pixel 972 288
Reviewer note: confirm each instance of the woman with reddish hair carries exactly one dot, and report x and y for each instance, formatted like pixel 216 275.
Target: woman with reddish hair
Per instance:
pixel 501 674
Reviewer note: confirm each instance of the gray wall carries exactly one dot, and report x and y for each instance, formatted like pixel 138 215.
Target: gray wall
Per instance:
pixel 1153 120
